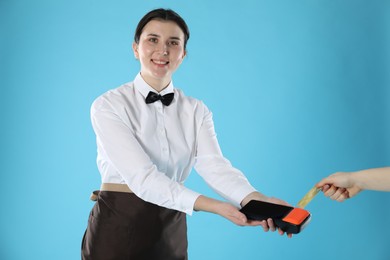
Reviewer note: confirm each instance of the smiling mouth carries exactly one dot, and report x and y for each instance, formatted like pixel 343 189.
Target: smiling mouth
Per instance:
pixel 160 62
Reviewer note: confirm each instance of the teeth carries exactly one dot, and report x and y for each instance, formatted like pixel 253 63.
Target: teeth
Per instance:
pixel 160 62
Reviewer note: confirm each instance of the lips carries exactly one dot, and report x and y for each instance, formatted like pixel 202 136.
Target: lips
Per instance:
pixel 160 62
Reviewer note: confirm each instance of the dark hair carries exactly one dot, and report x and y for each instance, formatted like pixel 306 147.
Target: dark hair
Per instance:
pixel 165 15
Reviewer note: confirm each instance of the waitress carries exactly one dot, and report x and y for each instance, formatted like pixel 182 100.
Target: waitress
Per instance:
pixel 149 136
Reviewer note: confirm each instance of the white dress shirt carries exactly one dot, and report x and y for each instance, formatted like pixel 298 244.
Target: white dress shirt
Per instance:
pixel 152 148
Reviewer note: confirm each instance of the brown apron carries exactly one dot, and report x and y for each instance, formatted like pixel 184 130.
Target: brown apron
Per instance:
pixel 123 226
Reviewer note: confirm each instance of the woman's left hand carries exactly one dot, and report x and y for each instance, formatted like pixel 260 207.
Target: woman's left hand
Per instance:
pixel 269 223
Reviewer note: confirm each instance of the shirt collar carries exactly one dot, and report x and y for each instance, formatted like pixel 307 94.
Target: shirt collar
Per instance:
pixel 144 88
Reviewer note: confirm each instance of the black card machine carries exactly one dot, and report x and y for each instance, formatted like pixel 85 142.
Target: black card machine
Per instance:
pixel 289 219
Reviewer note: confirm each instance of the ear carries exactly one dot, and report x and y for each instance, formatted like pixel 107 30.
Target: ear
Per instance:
pixel 184 54
pixel 135 50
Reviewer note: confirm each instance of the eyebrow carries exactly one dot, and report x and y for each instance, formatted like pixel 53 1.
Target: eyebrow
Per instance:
pixel 158 36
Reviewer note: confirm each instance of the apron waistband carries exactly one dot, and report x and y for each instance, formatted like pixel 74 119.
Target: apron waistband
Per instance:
pixel 117 187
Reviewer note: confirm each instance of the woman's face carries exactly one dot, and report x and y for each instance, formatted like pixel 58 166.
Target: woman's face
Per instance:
pixel 160 51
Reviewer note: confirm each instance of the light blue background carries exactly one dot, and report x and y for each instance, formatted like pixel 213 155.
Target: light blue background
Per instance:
pixel 299 90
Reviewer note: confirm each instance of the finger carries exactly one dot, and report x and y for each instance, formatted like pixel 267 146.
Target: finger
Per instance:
pixel 271 224
pixel 330 191
pixel 265 225
pixel 343 196
pixel 337 194
pixel 281 232
pixel 242 218
pixel 325 187
pixel 320 184
pixel 323 182
pixel 237 217
pixel 254 223
pixel 347 194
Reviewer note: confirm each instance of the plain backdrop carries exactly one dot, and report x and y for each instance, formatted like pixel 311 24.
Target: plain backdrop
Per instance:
pixel 298 89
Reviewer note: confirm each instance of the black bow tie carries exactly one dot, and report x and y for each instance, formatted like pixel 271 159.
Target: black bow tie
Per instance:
pixel 165 99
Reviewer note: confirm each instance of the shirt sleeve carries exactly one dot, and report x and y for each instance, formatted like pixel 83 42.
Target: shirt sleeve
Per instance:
pixel 215 169
pixel 125 154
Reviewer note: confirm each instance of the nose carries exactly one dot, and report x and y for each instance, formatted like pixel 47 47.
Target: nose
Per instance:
pixel 163 49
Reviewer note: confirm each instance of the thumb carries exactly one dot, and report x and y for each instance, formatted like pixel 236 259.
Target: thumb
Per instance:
pixel 240 217
pixel 324 181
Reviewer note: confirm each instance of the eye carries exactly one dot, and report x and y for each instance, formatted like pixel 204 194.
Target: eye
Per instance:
pixel 153 39
pixel 174 43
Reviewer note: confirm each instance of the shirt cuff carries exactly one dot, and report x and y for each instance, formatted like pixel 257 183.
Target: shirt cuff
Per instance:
pixel 238 195
pixel 187 201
